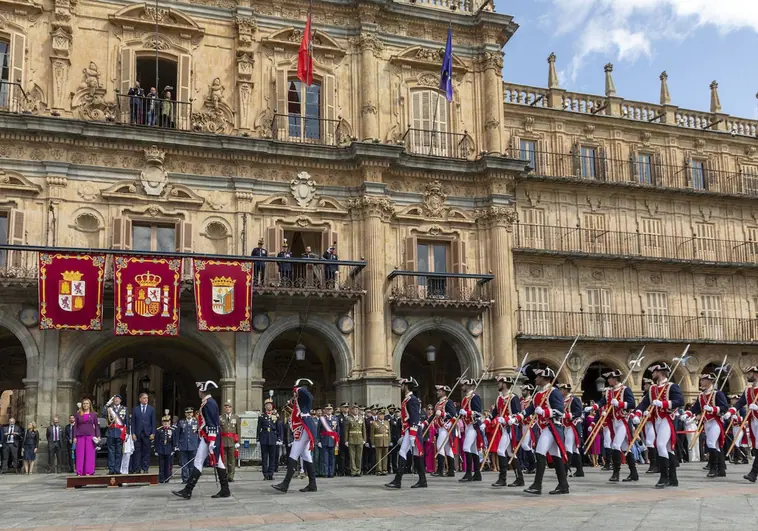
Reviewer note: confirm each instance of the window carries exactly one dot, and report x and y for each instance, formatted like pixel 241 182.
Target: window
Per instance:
pixel 645 168
pixel 651 237
pixel 594 233
pixel 528 152
pixel 3 237
pixel 537 311
pixel 598 312
pixel 588 158
pixel 430 124
pixel 304 110
pixel 432 258
pixel 160 238
pixel 711 322
pixel 752 237
pixel 705 241
pixel 657 310
pixel 697 174
pixel 750 180
pixel 5 63
pixel 533 228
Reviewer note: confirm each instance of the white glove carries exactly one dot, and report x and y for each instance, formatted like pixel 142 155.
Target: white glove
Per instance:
pixel 109 402
pixel 438 413
pixel 279 443
pixel 212 446
pixel 587 409
pixel 657 403
pixel 727 416
pixel 753 407
pixel 635 420
pixel 319 445
pixel 646 413
pixel 462 413
pixel 237 445
pixel 390 444
pixel 708 408
pixel 615 403
pixel 500 420
pixel 511 421
pixel 539 411
pixel 366 445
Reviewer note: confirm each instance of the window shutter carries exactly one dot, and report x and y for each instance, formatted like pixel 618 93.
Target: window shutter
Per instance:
pixel 330 112
pixel 459 257
pixel 540 159
pixel 709 179
pixel 416 110
pixel 411 253
pixel 127 70
pixel 657 173
pixel 184 241
pixel 183 92
pixel 602 164
pixel 327 239
pixel 576 159
pixel 281 91
pixel 16 236
pixel 122 233
pixel 687 171
pixel 274 239
pixel 18 51
pixel 633 156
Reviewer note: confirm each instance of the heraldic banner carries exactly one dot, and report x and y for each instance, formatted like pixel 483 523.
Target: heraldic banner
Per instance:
pixel 71 291
pixel 147 295
pixel 223 295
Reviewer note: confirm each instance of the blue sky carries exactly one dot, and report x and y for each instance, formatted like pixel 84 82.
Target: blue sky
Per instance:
pixel 695 41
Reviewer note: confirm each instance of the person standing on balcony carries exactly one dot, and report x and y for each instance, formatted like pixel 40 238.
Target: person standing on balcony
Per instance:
pixel 167 110
pixel 285 268
pixel 259 267
pixel 307 272
pixel 136 100
pixel 330 271
pixel 152 107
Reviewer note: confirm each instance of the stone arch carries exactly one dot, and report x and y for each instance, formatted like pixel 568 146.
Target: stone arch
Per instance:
pixel 463 344
pixel 328 331
pixel 22 333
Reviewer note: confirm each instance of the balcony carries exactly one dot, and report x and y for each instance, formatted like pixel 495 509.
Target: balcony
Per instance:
pixel 536 324
pixel 309 130
pixel 144 111
pixel 596 168
pixel 420 290
pixel 432 143
pixel 13 98
pixel 564 241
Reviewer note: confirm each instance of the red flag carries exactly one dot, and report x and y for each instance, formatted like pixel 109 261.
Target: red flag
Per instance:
pixel 305 55
pixel 223 295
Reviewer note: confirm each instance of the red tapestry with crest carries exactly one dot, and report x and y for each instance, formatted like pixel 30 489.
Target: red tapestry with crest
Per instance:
pixel 223 295
pixel 71 291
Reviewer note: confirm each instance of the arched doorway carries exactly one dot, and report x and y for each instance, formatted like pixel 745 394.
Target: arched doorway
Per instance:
pixel 443 367
pixel 12 373
pixel 593 382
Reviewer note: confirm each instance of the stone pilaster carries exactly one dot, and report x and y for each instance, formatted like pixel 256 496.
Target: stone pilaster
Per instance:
pixel 62 41
pixel 243 350
pixel 256 395
pixel 371 47
pixel 246 28
pixel 68 393
pixel 227 392
pixel 492 66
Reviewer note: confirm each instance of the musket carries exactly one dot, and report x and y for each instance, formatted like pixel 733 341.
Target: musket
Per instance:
pixel 744 422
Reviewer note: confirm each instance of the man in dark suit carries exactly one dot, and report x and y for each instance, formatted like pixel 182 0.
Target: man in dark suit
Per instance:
pixel 143 431
pixel 68 442
pixel 330 271
pixel 10 440
pixel 55 446
pixel 269 434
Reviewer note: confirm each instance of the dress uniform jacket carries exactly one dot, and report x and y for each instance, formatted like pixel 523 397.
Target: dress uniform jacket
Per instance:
pixel 229 438
pixel 164 447
pixel 187 440
pixel 355 428
pixel 269 433
pixel 380 439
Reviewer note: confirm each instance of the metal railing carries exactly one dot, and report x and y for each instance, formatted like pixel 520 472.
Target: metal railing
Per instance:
pixel 465 6
pixel 146 111
pixel 648 172
pixel 606 242
pixel 539 323
pixel 307 130
pixel 417 288
pixel 438 143
pixel 13 98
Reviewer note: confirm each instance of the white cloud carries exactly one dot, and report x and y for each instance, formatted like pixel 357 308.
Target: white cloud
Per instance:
pixel 629 29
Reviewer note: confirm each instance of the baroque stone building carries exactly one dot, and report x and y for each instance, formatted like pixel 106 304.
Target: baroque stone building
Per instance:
pixel 508 220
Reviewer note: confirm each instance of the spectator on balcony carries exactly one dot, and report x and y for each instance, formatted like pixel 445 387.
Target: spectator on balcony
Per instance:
pixel 136 99
pixel 167 110
pixel 285 268
pixel 330 271
pixel 152 107
pixel 307 272
pixel 259 267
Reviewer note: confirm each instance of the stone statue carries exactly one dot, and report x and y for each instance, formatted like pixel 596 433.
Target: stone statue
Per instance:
pixel 216 93
pixel 91 80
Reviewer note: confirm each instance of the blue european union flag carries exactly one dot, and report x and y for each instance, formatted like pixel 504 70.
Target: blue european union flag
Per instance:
pixel 446 74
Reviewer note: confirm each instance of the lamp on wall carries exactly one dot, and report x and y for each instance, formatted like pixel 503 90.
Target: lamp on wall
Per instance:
pixel 300 352
pixel 600 383
pixel 431 353
pixel 144 384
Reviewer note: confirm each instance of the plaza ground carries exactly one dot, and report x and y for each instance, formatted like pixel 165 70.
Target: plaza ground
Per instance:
pixel 42 502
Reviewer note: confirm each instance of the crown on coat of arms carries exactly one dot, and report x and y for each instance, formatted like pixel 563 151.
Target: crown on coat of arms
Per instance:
pixel 72 276
pixel 223 282
pixel 148 280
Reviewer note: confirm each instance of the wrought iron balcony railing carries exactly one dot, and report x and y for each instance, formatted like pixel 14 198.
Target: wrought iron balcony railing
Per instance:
pixel 646 171
pixel 705 329
pixel 565 240
pixel 309 130
pixel 438 143
pixel 13 98
pixel 457 290
pixel 145 111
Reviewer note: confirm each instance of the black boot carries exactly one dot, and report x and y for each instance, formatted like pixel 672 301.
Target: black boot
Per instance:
pixel 652 456
pixel 663 467
pixel 578 465
pixel 186 492
pixel 616 458
pixel 536 486
pixel 451 467
pixel 311 471
pixel 291 469
pixel 752 476
pixel 673 464
pixel 712 463
pixel 560 472
pixel 519 474
pixel 501 478
pixel 223 479
pixel 477 465
pixel 633 476
pixel 721 465
pixel 440 467
pixel 395 483
pixel 469 466
pixel 421 471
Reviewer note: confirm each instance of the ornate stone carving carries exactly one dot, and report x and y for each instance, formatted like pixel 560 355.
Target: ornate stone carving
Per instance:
pixel 246 26
pixel 90 98
pixel 699 145
pixel 368 108
pixel 91 80
pixel 529 124
pixel 369 205
pixel 215 93
pixel 589 131
pixel 491 123
pixel 496 216
pixel 88 192
pixel 491 60
pixel 61 40
pixel 216 116
pixel 427 54
pixel 750 151
pixel 434 199
pixel 645 138
pixel 303 189
pixel 245 64
pixel 370 41
pixel 154 178
pixel 429 80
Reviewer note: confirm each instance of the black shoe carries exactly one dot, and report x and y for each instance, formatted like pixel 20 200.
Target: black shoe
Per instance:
pixel 451 467
pixel 440 467
pixel 560 472
pixel 292 466
pixel 397 482
pixel 421 471
pixel 663 466
pixel 519 476
pixel 536 487
pixel 533 490
pixel 186 492
pixel 633 476
pixel 223 479
pixel 477 465
pixel 311 471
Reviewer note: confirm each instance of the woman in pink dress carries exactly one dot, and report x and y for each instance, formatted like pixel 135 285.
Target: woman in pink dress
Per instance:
pixel 86 436
pixel 429 450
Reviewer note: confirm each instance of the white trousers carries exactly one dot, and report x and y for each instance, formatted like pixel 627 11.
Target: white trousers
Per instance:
pixel 444 442
pixel 649 435
pixel 570 440
pixel 408 446
pixel 620 439
pixel 738 435
pixel 527 444
pixel 301 447
pixel 607 443
pixel 469 441
pixel 202 453
pixel 504 448
pixel 663 442
pixel 546 444
pixel 712 434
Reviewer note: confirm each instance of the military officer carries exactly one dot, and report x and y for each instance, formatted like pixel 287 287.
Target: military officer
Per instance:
pixel 259 266
pixel 165 447
pixel 395 424
pixel 471 413
pixel 506 437
pixel 356 437
pixel 380 439
pixel 187 440
pixel 303 432
pixel 369 456
pixel 749 401
pixel 117 418
pixel 329 440
pixel 269 435
pixel 343 456
pixel 572 422
pixel 229 439
pixel 619 399
pixel 444 413
pixel 411 447
pixel 285 267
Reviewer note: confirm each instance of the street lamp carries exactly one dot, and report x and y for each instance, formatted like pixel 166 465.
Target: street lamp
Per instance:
pixel 600 383
pixel 144 384
pixel 300 352
pixel 431 353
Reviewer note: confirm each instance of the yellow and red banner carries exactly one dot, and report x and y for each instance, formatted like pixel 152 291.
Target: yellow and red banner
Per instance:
pixel 147 295
pixel 223 295
pixel 71 291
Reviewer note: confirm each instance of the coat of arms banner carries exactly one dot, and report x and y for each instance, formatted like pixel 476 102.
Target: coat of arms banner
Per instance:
pixel 147 295
pixel 223 295
pixel 71 291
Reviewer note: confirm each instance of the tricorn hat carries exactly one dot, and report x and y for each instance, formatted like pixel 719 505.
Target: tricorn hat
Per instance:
pixel 469 382
pixel 206 386
pixel 615 373
pixel 647 381
pixel 546 373
pixel 709 376
pixel 445 388
pixel 662 367
pixel 505 379
pixel 754 368
pixel 566 386
pixel 303 382
pixel 410 382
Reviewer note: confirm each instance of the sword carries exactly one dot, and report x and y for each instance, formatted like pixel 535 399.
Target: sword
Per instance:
pixel 449 395
pixel 182 468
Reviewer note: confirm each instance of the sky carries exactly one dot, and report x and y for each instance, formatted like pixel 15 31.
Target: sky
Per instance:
pixel 694 41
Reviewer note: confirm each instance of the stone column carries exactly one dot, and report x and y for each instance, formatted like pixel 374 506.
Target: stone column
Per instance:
pixel 243 351
pixel 227 392
pixel 246 27
pixel 256 395
pixel 370 47
pixel 47 391
pixel 31 398
pixel 492 63
pixel 499 222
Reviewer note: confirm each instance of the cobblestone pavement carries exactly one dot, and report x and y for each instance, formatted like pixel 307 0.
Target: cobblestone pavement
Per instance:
pixel 42 502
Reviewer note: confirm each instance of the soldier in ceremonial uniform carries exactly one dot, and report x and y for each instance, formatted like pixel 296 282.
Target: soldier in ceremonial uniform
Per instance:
pixel 165 446
pixel 380 439
pixel 572 423
pixel 620 400
pixel 395 427
pixel 504 415
pixel 342 460
pixel 444 415
pixel 528 461
pixel 355 430
pixel 658 406
pixel 259 266
pixel 303 431
pixel 230 439
pixel 329 440
pixel 652 453
pixel 547 407
pixel 269 435
pixel 369 455
pixel 410 412
pixel 209 426
pixel 712 406
pixel 187 440
pixel 117 419
pixel 471 413
pixel 738 457
pixel 749 400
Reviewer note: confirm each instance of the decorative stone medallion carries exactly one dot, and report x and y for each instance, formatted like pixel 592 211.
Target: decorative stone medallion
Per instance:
pixel 303 189
pixel 474 327
pixel 261 322
pixel 345 324
pixel 29 316
pixel 399 326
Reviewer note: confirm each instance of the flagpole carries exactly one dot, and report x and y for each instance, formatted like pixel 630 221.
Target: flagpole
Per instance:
pixel 442 72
